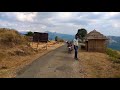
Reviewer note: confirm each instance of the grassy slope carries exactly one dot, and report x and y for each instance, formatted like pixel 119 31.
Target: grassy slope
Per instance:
pixel 98 65
pixel 15 52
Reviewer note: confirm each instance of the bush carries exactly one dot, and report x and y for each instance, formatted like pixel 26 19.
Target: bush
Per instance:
pixel 114 55
pixel 29 33
pixel 115 60
pixel 56 38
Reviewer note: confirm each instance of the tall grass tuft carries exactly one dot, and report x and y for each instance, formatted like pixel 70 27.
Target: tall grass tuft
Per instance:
pixel 10 37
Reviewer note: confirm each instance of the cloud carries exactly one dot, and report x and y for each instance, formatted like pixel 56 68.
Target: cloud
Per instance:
pixel 20 16
pixel 25 16
pixel 107 23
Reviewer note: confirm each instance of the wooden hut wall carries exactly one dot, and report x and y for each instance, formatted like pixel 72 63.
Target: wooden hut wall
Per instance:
pixel 96 45
pixel 40 37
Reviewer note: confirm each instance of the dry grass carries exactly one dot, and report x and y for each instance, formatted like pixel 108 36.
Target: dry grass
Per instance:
pixel 9 38
pixel 11 61
pixel 15 52
pixel 42 45
pixel 98 65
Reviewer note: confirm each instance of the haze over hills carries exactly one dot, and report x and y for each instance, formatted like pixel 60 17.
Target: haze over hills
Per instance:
pixel 114 42
pixel 52 35
pixel 63 36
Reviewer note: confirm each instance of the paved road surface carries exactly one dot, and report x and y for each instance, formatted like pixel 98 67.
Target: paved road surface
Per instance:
pixel 56 64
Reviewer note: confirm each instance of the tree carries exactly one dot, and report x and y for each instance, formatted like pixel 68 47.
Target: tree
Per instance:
pixel 81 33
pixel 56 38
pixel 29 33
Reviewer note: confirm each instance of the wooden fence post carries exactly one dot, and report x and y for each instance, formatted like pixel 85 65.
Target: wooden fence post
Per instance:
pixel 46 46
pixel 37 44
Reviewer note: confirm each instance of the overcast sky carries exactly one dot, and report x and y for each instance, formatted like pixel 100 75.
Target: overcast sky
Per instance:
pixel 108 23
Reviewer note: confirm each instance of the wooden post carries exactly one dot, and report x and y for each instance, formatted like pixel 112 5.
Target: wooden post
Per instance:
pixel 32 41
pixel 46 46
pixel 37 44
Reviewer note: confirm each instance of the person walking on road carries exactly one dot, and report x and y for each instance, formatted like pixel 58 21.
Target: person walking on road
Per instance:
pixel 75 42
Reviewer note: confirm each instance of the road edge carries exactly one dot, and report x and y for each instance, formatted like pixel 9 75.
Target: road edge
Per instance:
pixel 23 69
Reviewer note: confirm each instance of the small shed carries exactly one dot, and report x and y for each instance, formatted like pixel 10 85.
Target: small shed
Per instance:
pixel 95 42
pixel 40 37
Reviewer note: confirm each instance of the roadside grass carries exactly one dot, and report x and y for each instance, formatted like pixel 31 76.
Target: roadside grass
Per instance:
pixel 114 56
pixel 16 51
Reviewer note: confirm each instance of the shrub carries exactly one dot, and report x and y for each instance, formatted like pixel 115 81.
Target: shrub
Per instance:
pixel 115 60
pixel 29 33
pixel 114 55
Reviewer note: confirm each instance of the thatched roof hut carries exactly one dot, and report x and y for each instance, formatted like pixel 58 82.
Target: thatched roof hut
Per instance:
pixel 95 41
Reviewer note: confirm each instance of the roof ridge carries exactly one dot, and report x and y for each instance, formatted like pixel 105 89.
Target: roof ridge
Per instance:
pixel 95 35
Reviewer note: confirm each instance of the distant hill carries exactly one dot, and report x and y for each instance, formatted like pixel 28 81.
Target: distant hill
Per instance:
pixel 63 36
pixel 114 42
pixel 51 35
pixel 23 32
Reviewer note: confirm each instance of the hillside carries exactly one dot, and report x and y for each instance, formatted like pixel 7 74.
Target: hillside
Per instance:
pixel 114 42
pixel 16 51
pixel 98 65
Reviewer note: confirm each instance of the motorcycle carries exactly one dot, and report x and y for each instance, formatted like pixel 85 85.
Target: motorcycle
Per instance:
pixel 69 49
pixel 69 46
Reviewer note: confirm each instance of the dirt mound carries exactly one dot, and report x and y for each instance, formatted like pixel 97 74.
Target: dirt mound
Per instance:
pixel 13 44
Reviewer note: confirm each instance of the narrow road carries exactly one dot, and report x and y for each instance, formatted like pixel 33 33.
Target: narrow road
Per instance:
pixel 56 64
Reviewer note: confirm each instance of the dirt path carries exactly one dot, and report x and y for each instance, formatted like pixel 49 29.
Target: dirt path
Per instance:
pixel 56 64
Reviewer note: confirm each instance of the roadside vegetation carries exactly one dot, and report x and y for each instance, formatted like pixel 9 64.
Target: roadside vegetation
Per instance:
pixel 16 51
pixel 114 55
pixel 57 39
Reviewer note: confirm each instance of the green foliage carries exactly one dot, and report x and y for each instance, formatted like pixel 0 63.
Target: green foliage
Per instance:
pixel 56 38
pixel 29 33
pixel 114 55
pixel 82 33
pixel 115 60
